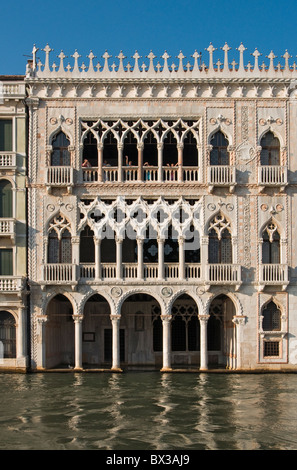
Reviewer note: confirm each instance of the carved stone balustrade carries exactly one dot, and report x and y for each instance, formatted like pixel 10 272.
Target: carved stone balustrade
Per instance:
pixel 273 275
pixel 272 175
pixel 221 175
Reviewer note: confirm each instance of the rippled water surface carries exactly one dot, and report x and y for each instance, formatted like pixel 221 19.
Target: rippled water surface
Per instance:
pixel 148 411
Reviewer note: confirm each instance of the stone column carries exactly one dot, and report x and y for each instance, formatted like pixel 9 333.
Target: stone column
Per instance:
pixel 75 257
pixel 115 321
pixel 160 146
pixel 21 346
pixel 97 242
pixel 119 267
pixel 160 258
pixel 204 257
pixel 180 148
pixel 120 162
pixel 140 161
pixel 181 269
pixel 100 162
pixel 239 322
pixel 203 341
pixel 41 343
pixel 166 323
pixel 78 341
pixel 139 258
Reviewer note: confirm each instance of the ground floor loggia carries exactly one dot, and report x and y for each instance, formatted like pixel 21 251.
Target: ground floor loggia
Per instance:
pixel 141 335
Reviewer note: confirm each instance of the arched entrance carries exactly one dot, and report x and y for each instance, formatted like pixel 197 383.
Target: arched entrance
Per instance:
pixel 185 332
pixel 96 333
pixel 7 335
pixel 141 332
pixel 59 341
pixel 221 332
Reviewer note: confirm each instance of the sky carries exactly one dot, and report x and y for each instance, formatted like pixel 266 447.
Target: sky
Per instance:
pixel 151 25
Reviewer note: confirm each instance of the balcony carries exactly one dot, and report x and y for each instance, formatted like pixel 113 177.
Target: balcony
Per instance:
pixel 221 176
pixel 12 284
pixel 129 271
pixel 7 228
pixel 223 274
pixel 272 176
pixel 273 275
pixel 59 176
pixel 111 174
pixel 59 274
pixel 7 160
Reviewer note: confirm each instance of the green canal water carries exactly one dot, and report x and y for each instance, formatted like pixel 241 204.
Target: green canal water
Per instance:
pixel 148 411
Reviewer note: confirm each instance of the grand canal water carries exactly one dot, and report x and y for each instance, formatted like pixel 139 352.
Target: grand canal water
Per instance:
pixel 148 411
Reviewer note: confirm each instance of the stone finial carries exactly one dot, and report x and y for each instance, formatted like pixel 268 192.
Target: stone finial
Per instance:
pixel 196 56
pixel 121 57
pixel 286 56
pixel 180 57
pixel 271 56
pixel 76 57
pixel 61 56
pixel 151 58
pixel 241 50
pixel 35 49
pixel 226 48
pixel 136 58
pixel 91 57
pixel 47 50
pixel 256 55
pixel 165 56
pixel 106 56
pixel 211 50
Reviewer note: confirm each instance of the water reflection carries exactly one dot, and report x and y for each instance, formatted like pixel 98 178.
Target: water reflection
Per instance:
pixel 150 411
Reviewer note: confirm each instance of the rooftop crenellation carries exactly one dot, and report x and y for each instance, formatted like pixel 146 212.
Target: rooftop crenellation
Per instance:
pixel 247 65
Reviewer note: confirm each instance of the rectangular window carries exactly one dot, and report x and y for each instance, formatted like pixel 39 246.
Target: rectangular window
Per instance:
pixel 5 135
pixel 271 348
pixel 6 262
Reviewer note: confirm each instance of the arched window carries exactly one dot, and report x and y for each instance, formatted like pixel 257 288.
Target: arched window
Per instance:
pixel 190 152
pixel 185 327
pixel 110 150
pixel 270 153
pixel 90 152
pixel 271 245
pixel 59 249
pixel 5 199
pixel 219 154
pixel 87 246
pixel 60 154
pixel 170 150
pixel 271 317
pixel 7 335
pixel 130 153
pixel 150 150
pixel 220 242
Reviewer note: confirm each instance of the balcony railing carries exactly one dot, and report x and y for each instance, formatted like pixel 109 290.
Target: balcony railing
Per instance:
pixel 131 174
pixel 273 275
pixel 223 274
pixel 7 228
pixel 59 176
pixel 59 273
pixel 7 160
pixel 11 284
pixel 272 175
pixel 221 175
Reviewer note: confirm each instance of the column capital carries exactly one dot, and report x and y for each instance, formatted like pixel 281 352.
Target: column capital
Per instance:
pixel 77 318
pixel 166 318
pixel 115 317
pixel 239 320
pixel 203 318
pixel 42 319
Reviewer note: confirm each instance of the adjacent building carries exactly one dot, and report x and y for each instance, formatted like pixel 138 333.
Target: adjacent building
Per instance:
pixel 161 202
pixel 13 224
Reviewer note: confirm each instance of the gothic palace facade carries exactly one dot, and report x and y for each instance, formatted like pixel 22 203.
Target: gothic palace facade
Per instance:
pixel 160 214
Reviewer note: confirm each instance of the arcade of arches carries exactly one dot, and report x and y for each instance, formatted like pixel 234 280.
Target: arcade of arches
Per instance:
pixel 141 335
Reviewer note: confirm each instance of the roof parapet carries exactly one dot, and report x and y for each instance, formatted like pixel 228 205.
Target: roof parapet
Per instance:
pixel 150 69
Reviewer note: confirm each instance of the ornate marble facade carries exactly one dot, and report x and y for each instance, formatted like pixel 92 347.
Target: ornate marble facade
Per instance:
pixel 174 245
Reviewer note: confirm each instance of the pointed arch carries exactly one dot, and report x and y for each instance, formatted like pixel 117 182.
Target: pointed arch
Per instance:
pixel 60 155
pixel 219 154
pixel 270 149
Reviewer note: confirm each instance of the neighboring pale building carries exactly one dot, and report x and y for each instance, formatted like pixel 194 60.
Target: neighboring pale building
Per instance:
pixel 13 225
pixel 161 212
